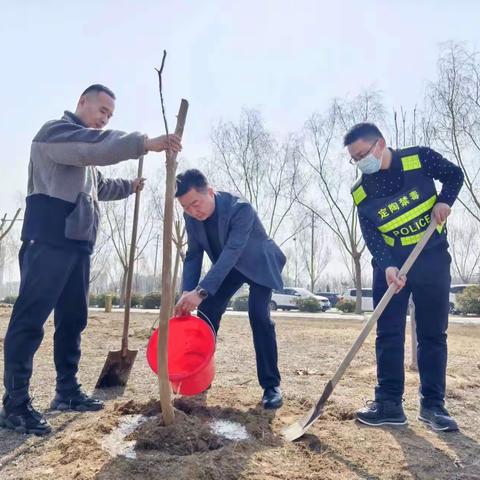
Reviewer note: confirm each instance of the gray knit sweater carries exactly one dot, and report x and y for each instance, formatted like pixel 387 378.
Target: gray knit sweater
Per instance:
pixel 64 185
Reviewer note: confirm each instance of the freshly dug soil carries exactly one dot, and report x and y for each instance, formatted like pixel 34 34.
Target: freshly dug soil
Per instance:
pixel 310 350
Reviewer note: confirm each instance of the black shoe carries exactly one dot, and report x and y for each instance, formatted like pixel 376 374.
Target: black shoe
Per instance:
pixel 77 401
pixel 386 412
pixel 24 419
pixel 272 398
pixel 438 418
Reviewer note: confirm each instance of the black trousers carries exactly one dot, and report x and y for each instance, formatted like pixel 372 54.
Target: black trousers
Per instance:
pixel 429 283
pixel 263 328
pixel 51 279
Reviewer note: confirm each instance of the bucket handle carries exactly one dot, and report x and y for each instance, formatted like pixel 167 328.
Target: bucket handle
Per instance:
pixel 208 321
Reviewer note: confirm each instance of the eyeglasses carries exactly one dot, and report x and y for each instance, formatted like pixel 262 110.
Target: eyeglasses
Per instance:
pixel 353 161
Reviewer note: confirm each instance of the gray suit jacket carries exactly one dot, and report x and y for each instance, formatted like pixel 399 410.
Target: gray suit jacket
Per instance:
pixel 245 247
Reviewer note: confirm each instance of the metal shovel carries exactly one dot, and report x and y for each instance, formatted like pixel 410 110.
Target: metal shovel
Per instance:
pixel 118 364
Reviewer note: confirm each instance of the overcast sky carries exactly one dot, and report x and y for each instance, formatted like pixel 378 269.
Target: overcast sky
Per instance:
pixel 285 58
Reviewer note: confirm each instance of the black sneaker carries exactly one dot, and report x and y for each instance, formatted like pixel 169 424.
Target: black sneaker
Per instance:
pixel 77 401
pixel 24 419
pixel 272 398
pixel 386 412
pixel 438 418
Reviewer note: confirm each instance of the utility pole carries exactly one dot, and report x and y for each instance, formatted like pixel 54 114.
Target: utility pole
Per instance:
pixel 296 261
pixel 312 255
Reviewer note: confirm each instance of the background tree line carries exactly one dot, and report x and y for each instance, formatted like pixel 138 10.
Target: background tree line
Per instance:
pixel 299 183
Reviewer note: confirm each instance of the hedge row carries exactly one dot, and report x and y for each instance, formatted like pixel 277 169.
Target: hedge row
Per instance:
pixel 240 304
pixel 469 300
pixel 150 300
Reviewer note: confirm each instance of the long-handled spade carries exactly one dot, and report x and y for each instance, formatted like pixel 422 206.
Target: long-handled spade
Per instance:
pixel 297 429
pixel 118 364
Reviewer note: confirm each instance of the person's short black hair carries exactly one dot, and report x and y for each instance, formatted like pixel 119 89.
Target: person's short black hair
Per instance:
pixel 97 87
pixel 189 179
pixel 365 130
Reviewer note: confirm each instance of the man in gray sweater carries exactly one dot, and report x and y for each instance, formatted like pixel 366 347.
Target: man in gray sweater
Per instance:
pixel 58 235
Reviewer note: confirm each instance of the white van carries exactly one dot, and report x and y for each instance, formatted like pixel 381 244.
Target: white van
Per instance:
pixel 367 298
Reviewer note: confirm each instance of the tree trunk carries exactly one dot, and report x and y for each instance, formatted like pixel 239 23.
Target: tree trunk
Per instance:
pixel 178 244
pixel 155 267
pixel 123 286
pixel 175 274
pixel 4 221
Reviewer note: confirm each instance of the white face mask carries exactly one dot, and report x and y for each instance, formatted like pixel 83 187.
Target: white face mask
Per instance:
pixel 370 164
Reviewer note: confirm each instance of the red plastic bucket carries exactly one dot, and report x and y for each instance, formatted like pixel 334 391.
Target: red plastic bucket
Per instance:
pixel 191 348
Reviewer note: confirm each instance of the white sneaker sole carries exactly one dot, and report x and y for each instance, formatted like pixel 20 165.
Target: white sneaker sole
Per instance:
pixel 435 427
pixel 386 422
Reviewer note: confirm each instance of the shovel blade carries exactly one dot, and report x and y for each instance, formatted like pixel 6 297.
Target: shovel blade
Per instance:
pixel 293 431
pixel 117 369
pixel 297 429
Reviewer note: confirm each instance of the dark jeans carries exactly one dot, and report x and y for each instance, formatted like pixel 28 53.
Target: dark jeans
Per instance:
pixel 263 328
pixel 51 278
pixel 429 283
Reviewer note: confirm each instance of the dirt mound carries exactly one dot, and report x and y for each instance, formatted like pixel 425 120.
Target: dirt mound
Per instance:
pixel 188 435
pixel 149 409
pixel 192 431
pixel 256 420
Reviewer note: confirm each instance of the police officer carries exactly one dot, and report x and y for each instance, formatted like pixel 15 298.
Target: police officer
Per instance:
pixel 396 199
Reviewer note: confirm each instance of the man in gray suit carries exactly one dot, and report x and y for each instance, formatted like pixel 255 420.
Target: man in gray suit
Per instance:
pixel 228 229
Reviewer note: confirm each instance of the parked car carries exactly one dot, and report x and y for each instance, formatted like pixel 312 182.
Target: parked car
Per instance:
pixel 286 298
pixel 454 291
pixel 332 297
pixel 367 298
